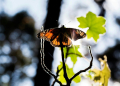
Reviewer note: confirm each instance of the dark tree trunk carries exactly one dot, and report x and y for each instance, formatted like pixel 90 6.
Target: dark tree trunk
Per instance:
pixel 41 77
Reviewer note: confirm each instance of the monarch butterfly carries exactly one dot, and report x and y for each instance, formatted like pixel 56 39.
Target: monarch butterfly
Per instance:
pixel 53 35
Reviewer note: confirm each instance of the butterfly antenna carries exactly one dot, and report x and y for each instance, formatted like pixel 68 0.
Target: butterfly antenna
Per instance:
pixel 67 23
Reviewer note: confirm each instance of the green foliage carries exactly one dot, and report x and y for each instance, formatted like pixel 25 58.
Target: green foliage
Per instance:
pixel 70 73
pixel 72 52
pixel 94 23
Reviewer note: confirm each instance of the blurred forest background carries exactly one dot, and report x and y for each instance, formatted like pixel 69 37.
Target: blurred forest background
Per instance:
pixel 21 20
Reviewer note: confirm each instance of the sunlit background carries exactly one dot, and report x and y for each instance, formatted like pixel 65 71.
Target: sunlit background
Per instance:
pixel 21 20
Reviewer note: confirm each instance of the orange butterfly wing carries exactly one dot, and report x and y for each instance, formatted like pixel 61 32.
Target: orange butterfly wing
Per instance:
pixel 65 41
pixel 53 35
pixel 48 34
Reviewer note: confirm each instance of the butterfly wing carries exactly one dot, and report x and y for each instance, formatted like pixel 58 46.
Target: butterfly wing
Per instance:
pixel 53 36
pixel 49 34
pixel 65 41
pixel 74 34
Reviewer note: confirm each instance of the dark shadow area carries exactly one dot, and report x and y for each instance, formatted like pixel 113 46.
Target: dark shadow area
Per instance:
pixel 51 21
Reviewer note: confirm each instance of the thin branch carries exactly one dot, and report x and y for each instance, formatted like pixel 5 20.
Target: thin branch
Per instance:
pixel 42 58
pixel 48 71
pixel 85 59
pixel 84 69
pixel 57 74
pixel 64 67
pixel 92 64
pixel 45 68
pixel 53 83
pixel 42 61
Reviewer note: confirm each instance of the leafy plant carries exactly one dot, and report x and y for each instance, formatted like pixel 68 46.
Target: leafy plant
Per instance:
pixel 70 73
pixel 64 74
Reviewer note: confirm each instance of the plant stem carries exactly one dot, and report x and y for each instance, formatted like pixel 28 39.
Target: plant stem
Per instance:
pixel 64 67
pixel 48 71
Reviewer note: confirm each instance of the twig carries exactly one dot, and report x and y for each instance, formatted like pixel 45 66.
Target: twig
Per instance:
pixel 43 64
pixel 57 74
pixel 48 71
pixel 84 69
pixel 53 83
pixel 64 67
pixel 92 64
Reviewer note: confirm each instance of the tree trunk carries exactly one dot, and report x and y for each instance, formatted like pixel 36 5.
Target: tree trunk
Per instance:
pixel 42 78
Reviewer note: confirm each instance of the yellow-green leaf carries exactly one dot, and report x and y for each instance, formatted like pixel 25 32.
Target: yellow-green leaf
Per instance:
pixel 102 76
pixel 94 23
pixel 72 52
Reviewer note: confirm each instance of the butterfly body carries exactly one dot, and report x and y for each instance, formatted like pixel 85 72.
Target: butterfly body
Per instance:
pixel 55 35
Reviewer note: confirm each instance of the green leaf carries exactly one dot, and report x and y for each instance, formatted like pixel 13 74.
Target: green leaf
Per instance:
pixel 70 73
pixel 102 76
pixel 72 52
pixel 83 22
pixel 94 23
pixel 61 73
pixel 65 52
